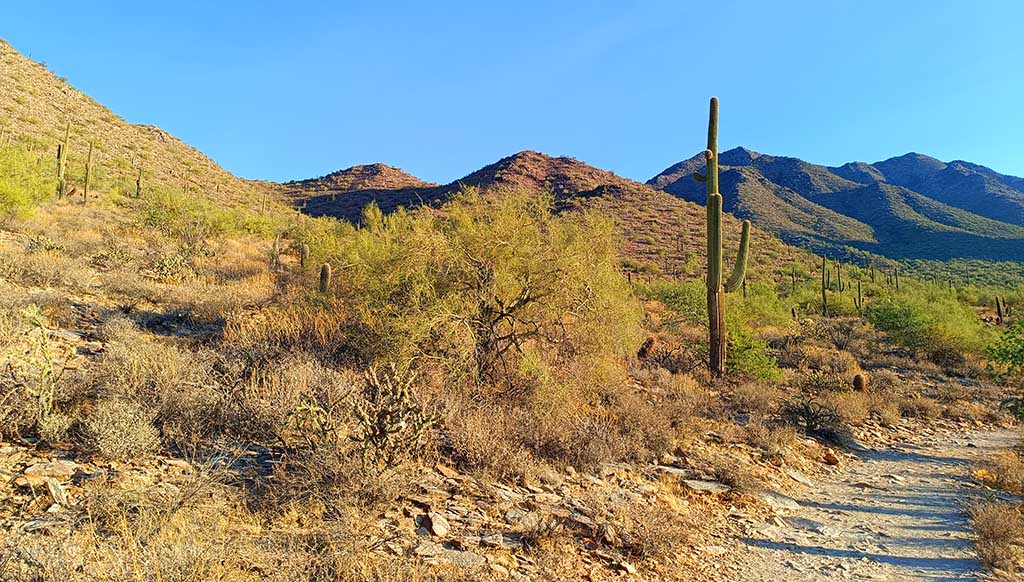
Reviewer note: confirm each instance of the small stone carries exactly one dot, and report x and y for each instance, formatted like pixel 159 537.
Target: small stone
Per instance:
pixel 550 477
pixel 439 525
pixel 57 493
pixel 448 471
pixel 830 457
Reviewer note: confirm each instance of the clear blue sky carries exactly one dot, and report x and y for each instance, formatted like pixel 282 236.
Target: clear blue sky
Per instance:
pixel 283 90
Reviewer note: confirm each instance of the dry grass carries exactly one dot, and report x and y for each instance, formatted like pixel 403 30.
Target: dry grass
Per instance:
pixel 120 429
pixel 641 529
pixel 1000 529
pixel 1003 470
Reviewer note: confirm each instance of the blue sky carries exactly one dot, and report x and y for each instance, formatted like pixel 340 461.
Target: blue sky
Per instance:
pixel 293 90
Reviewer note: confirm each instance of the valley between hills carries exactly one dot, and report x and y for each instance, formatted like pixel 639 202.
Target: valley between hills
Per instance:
pixel 367 376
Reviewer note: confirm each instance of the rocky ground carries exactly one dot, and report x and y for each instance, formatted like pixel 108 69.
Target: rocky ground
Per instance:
pixel 894 513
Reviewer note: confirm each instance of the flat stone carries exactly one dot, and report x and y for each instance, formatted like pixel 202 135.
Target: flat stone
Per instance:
pixel 679 472
pixel 59 469
pixel 799 477
pixel 706 486
pixel 777 501
pixel 508 541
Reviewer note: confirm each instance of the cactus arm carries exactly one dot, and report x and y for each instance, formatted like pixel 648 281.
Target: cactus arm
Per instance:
pixel 699 177
pixel 739 270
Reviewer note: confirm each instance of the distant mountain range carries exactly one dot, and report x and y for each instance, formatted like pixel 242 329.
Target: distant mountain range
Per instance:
pixel 908 207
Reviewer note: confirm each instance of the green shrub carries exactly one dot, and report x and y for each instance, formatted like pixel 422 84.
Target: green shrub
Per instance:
pixel 490 286
pixel 26 179
pixel 1007 353
pixel 687 300
pixel 749 354
pixel 926 318
pixel 192 217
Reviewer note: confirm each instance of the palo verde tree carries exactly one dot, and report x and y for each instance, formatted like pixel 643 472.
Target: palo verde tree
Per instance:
pixel 717 336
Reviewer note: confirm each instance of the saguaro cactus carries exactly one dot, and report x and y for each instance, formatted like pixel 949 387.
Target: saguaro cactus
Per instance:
pixel 717 338
pixel 325 278
pixel 824 287
pixel 303 255
pixel 858 301
pixel 88 175
pixel 62 161
pixel 138 182
pixel 999 312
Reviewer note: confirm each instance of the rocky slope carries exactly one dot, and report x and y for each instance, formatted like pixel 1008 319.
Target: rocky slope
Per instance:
pixel 36 105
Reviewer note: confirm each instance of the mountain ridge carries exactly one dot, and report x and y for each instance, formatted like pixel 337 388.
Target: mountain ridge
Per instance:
pixel 911 206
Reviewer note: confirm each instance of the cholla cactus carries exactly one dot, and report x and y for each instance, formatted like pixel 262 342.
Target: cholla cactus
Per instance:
pixel 392 422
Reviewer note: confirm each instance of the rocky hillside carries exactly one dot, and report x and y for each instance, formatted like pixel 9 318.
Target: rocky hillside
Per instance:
pixel 908 207
pixel 661 232
pixel 36 105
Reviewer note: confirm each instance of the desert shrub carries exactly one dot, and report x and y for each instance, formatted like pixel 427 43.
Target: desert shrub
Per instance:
pixel 755 398
pixel 750 355
pixel 884 381
pixel 1004 470
pixel 120 429
pixel 56 428
pixel 488 285
pixel 192 219
pixel 1007 353
pixel 821 381
pixel 830 361
pixel 1000 529
pixel 928 320
pixel 686 300
pixel 919 407
pixel 949 358
pixel 639 528
pixel 773 439
pixel 738 475
pixel 839 332
pixel 814 417
pixel 762 305
pixel 26 179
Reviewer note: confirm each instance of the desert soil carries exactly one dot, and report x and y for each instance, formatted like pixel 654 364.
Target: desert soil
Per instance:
pixel 894 514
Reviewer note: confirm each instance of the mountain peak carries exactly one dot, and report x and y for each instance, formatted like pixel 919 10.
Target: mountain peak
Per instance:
pixel 738 156
pixel 375 176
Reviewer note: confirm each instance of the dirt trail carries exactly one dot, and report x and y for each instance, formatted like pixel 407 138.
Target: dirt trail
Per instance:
pixel 896 515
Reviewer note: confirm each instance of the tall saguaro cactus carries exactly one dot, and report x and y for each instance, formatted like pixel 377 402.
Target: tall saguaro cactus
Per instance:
pixel 717 338
pixel 62 161
pixel 88 175
pixel 824 287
